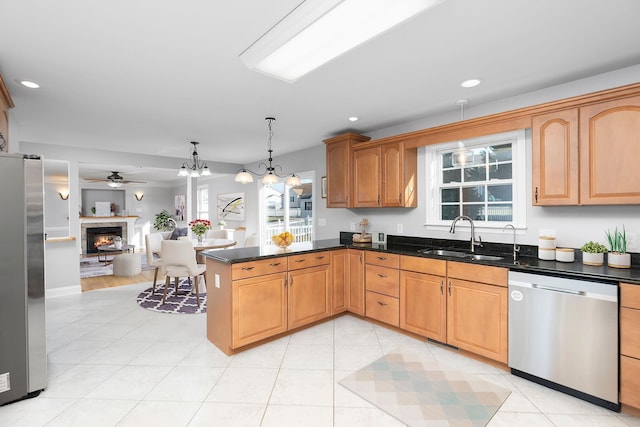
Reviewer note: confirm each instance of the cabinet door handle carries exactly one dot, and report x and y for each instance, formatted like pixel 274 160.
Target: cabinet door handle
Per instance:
pixel 381 303
pixel 274 264
pixel 441 287
pixel 291 280
pixel 360 259
pixel 536 195
pixel 286 280
pixel 399 197
pixel 247 268
pixel 378 200
pixel 449 288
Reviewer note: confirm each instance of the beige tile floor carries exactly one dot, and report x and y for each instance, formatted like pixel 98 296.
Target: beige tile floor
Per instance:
pixel 112 363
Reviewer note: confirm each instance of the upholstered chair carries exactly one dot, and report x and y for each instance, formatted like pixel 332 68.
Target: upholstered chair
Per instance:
pixel 216 234
pixel 153 245
pixel 179 260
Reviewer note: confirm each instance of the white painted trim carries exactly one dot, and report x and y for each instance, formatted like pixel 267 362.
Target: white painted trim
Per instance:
pixel 62 292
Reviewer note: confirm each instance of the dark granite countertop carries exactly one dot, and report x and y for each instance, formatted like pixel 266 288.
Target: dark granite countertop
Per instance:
pixel 527 260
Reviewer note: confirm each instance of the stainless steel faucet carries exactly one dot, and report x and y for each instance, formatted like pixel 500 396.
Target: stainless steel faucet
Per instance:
pixel 516 248
pixel 474 243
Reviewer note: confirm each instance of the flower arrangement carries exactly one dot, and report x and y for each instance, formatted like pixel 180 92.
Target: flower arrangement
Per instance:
pixel 364 224
pixel 222 222
pixel 200 226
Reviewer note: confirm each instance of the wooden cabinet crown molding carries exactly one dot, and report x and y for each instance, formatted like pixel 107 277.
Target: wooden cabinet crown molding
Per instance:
pixel 506 121
pixel 4 93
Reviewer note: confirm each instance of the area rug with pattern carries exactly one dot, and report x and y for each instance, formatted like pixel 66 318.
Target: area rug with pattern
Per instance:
pixel 424 393
pixel 183 303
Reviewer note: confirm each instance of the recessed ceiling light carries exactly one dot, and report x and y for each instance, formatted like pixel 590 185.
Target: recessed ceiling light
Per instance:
pixel 353 119
pixel 471 83
pixel 29 84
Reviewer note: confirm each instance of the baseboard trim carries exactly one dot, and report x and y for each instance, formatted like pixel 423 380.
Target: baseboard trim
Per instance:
pixel 63 291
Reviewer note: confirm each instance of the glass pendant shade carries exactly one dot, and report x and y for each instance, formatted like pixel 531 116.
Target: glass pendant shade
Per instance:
pixel 244 177
pixel 270 179
pixel 293 181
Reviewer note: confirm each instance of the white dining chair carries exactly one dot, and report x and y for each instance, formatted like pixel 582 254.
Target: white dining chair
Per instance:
pixel 216 234
pixel 179 260
pixel 153 246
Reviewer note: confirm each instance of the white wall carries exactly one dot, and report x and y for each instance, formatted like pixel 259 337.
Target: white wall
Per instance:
pixel 574 225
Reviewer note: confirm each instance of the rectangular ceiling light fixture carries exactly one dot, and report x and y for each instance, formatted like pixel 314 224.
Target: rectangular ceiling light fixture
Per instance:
pixel 318 31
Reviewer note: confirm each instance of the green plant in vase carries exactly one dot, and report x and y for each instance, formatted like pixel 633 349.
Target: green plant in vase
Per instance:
pixel 593 253
pixel 618 256
pixel 163 221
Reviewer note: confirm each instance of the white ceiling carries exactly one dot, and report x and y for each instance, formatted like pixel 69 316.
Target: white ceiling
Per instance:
pixel 149 76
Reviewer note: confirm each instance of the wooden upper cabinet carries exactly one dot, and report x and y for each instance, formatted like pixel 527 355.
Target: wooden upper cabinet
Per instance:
pixel 555 170
pixel 385 175
pixel 339 168
pixel 609 152
pixel 6 103
pixel 366 177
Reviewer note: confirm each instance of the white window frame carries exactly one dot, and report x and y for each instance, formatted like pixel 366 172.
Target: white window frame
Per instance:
pixel 201 213
pixel 433 177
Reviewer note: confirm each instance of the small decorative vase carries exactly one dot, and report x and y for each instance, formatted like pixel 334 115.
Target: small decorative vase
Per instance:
pixel 618 260
pixel 590 258
pixel 200 238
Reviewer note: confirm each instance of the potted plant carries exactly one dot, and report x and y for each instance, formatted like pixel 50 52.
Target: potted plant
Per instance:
pixel 593 253
pixel 618 256
pixel 93 211
pixel 163 221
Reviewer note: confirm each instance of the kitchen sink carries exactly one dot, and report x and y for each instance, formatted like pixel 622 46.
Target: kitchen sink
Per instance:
pixel 459 254
pixel 443 252
pixel 485 257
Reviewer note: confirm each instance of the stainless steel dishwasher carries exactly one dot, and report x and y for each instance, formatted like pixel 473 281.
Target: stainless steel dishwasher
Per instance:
pixel 563 333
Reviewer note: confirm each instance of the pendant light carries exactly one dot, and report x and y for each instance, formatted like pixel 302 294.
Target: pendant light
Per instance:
pixel 194 167
pixel 462 156
pixel 270 176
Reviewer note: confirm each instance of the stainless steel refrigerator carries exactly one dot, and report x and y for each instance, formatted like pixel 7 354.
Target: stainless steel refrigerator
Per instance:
pixel 23 354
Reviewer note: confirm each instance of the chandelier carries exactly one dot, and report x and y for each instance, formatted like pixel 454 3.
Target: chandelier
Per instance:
pixel 270 176
pixel 194 167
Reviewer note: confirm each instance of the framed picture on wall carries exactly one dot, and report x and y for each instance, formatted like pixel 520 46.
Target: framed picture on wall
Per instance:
pixel 179 208
pixel 231 207
pixel 323 187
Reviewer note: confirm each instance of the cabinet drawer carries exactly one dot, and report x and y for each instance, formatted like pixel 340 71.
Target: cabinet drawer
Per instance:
pixel 630 381
pixel 384 260
pixel 630 295
pixel 313 259
pixel 630 332
pixel 243 270
pixel 478 273
pixel 383 308
pixel 383 280
pixel 436 267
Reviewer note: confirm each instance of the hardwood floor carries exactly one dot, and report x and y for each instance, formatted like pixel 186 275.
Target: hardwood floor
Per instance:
pixel 110 281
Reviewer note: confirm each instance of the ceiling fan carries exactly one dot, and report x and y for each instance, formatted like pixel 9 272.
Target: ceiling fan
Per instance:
pixel 114 180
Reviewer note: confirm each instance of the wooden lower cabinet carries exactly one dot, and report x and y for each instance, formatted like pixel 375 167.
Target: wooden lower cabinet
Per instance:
pixel 339 281
pixel 309 295
pixel 383 308
pixel 423 305
pixel 355 296
pixel 477 316
pixel 259 308
pixel 630 344
pixel 630 381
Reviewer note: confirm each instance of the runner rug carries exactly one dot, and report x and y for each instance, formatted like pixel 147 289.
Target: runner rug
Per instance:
pixel 424 393
pixel 183 303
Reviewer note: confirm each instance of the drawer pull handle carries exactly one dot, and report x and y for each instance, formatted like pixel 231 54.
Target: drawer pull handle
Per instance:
pixel 274 264
pixel 301 260
pixel 320 257
pixel 247 268
pixel 382 275
pixel 381 303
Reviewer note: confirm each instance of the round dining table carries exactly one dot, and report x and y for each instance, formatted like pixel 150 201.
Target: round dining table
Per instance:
pixel 207 244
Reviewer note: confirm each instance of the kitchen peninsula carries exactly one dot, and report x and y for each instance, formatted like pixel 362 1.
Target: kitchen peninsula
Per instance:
pixel 255 293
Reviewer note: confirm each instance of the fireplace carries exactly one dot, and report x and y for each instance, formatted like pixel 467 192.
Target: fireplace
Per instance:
pixel 98 236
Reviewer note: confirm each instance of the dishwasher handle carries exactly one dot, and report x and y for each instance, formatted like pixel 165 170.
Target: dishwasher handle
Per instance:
pixel 553 289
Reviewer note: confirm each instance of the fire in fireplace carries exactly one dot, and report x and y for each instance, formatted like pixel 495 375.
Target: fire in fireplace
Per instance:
pixel 98 236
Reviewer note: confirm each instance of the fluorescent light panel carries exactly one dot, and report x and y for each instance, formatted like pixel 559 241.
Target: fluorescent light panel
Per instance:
pixel 318 31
